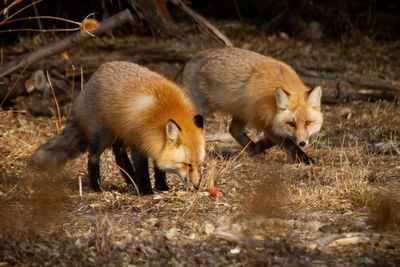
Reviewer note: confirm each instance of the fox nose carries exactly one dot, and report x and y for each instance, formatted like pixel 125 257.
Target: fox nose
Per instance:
pixel 302 143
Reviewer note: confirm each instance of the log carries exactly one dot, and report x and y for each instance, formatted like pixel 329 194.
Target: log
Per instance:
pixel 64 44
pixel 344 97
pixel 145 55
pixel 355 81
pixel 159 53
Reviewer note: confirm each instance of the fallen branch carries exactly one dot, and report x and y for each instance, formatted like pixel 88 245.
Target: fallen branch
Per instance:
pixel 238 238
pixel 204 23
pixel 311 76
pixel 61 45
pixel 157 53
pixel 155 13
pixel 145 55
pixel 342 97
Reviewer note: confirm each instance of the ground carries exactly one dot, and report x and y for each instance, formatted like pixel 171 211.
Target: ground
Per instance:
pixel 343 210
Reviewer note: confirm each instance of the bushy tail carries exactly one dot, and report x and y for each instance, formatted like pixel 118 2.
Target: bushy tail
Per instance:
pixel 52 155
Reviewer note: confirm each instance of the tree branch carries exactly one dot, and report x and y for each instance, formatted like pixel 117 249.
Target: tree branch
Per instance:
pixel 355 81
pixel 61 45
pixel 204 23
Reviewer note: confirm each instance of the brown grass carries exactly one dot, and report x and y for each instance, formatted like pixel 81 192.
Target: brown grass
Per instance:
pixel 265 196
pixel 274 210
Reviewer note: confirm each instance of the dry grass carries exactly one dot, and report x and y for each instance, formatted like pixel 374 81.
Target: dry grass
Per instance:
pixel 274 211
pixel 265 198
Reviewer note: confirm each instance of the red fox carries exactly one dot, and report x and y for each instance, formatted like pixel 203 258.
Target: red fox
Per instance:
pixel 258 91
pixel 125 105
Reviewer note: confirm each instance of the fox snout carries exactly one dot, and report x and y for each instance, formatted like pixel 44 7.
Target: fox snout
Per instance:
pixel 190 179
pixel 194 179
pixel 188 173
pixel 301 137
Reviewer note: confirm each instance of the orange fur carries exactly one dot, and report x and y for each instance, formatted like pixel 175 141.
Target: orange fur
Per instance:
pixel 129 102
pixel 113 88
pixel 243 84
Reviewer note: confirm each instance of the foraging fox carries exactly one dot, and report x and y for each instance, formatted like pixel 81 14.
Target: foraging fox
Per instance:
pixel 259 91
pixel 126 105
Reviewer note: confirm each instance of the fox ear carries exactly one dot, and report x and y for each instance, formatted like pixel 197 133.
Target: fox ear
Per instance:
pixel 198 121
pixel 314 97
pixel 282 99
pixel 173 131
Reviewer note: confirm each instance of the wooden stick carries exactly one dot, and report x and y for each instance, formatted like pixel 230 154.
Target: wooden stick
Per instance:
pixel 204 23
pixel 61 45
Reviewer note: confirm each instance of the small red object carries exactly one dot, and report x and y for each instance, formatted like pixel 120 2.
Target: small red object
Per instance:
pixel 214 192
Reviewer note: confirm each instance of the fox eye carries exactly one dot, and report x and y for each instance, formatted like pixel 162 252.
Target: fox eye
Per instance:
pixel 308 123
pixel 291 124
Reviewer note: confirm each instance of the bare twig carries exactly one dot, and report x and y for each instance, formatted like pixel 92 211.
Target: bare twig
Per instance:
pixel 136 188
pixel 42 37
pixel 58 120
pixel 204 23
pixel 8 17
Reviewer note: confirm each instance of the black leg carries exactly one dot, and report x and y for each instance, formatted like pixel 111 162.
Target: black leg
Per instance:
pixel 100 141
pixel 298 154
pixel 94 171
pixel 237 130
pixel 263 144
pixel 123 162
pixel 141 165
pixel 161 179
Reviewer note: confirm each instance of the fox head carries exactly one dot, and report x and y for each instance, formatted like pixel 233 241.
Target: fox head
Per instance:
pixel 298 118
pixel 184 150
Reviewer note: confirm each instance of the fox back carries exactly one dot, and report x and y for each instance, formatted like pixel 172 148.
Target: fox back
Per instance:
pixel 258 90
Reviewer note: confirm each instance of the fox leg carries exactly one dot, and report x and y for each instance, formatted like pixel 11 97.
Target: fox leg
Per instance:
pixel 123 162
pixel 94 167
pixel 293 149
pixel 161 179
pixel 97 145
pixel 141 165
pixel 263 145
pixel 237 130
pixel 94 170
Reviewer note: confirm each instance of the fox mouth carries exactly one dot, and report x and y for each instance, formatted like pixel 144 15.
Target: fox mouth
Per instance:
pixel 188 184
pixel 184 178
pixel 301 144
